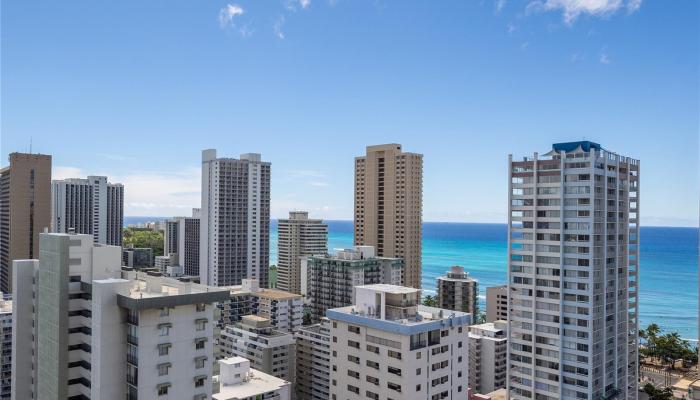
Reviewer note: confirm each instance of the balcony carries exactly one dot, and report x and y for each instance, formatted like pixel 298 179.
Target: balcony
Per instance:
pixel 133 340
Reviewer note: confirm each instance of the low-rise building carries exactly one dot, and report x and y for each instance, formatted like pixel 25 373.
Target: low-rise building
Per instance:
pixel 283 309
pixel 387 345
pixel 238 381
pixel 488 351
pixel 313 344
pixel 458 291
pixel 331 279
pixel 269 350
pixel 137 257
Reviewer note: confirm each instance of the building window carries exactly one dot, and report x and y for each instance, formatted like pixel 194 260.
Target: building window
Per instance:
pixel 163 389
pixel 418 355
pixel 163 349
pixel 418 387
pixel 199 381
pixel 418 371
pixel 164 329
pixel 199 362
pixel 163 369
pixel 164 312
pixel 201 307
pixel 394 354
pixel 202 325
pixel 199 344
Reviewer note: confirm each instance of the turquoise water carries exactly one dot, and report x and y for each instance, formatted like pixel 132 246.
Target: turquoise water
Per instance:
pixel 668 293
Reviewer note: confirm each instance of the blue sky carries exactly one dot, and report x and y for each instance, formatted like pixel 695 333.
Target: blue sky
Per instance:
pixel 135 90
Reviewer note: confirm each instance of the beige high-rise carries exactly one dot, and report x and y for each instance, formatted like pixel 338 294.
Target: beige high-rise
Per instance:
pixel 25 210
pixel 388 206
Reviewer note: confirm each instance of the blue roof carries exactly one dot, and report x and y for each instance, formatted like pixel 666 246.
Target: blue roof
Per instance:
pixel 571 146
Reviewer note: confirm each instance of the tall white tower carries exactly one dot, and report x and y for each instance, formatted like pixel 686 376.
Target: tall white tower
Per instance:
pixel 573 235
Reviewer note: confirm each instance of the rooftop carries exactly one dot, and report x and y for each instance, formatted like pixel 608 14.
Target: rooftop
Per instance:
pixel 585 145
pixel 167 292
pixel 251 383
pixel 426 319
pixel 387 288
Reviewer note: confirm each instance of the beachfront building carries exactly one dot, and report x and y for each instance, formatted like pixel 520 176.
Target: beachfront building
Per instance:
pixel 84 328
pixel 332 278
pixel 283 309
pixel 238 381
pixel 269 350
pixel 313 343
pixel 297 237
pixel 389 206
pixel 388 346
pixel 497 303
pixel 488 350
pixel 235 220
pixel 573 259
pixel 456 290
pixel 5 347
pixel 92 206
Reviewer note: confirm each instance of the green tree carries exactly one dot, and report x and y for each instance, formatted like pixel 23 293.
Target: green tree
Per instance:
pixel 430 301
pixel 655 393
pixel 144 238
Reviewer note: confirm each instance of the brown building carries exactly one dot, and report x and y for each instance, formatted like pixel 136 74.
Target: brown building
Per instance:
pixel 388 206
pixel 25 210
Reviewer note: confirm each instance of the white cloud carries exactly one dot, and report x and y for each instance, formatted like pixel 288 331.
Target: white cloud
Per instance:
pixel 61 172
pixel 305 173
pixel 294 5
pixel 511 27
pixel 572 9
pixel 227 14
pixel 304 3
pixel 277 27
pixel 499 5
pixel 604 59
pixel 576 57
pixel 318 183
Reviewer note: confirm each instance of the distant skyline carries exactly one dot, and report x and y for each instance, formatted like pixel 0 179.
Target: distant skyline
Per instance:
pixel 135 90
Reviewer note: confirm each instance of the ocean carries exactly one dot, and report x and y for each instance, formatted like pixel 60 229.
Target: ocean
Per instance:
pixel 668 273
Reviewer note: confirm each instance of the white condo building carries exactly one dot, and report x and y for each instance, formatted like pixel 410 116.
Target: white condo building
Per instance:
pixel 298 237
pixel 235 220
pixel 91 206
pixel 313 344
pixel 573 254
pixel 488 351
pixel 85 329
pixel 269 350
pixel 388 346
pixel 238 381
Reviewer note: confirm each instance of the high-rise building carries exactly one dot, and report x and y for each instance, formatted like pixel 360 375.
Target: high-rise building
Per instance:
pixel 297 237
pixel 91 206
pixel 181 238
pixel 573 258
pixel 458 291
pixel 388 206
pixel 313 361
pixel 497 303
pixel 283 309
pixel 332 279
pixel 25 210
pixel 5 347
pixel 235 220
pixel 86 329
pixel 388 346
pixel 239 381
pixel 488 351
pixel 270 351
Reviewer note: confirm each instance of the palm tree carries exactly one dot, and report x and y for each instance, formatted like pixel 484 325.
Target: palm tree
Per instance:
pixel 430 301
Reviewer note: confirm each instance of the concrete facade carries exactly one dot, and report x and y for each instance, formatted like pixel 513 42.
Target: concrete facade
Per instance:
pixel 332 279
pixel 573 258
pixel 389 204
pixel 456 290
pixel 488 356
pixel 5 348
pixel 25 210
pixel 137 257
pixel 313 361
pixel 497 303
pixel 270 351
pixel 91 206
pixel 283 309
pixel 235 220
pixel 239 381
pixel 297 237
pixel 86 329
pixel 388 346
